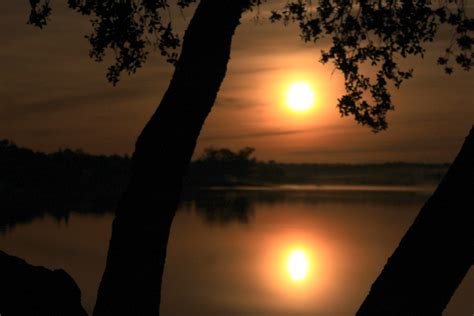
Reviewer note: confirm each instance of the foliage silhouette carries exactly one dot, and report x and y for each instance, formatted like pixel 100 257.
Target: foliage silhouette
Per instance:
pixel 376 32
pixel 363 32
pixel 223 166
pixel 379 33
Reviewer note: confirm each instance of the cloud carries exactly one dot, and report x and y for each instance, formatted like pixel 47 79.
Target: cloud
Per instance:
pixel 258 134
pixel 385 147
pixel 19 109
pixel 254 70
pixel 236 103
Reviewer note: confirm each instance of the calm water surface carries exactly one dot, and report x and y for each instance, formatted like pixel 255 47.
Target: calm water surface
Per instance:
pixel 228 250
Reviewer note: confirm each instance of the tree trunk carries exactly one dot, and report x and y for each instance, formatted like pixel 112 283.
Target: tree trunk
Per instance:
pixel 131 283
pixel 436 252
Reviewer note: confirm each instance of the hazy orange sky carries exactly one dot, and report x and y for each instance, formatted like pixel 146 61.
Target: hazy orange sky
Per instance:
pixel 52 95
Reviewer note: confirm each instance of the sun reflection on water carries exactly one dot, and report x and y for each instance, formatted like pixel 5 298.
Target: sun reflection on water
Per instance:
pixel 298 265
pixel 293 270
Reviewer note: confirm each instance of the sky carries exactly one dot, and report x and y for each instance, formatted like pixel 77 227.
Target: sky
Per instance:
pixel 52 95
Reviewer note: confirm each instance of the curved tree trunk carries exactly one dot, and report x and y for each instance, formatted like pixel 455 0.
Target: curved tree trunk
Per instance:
pixel 131 283
pixel 436 252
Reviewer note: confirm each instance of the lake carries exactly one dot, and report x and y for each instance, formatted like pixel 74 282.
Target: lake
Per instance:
pixel 229 249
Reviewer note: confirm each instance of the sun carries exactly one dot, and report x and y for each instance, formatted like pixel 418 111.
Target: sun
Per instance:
pixel 298 265
pixel 300 97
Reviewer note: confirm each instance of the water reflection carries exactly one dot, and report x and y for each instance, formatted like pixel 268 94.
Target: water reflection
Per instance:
pixel 229 249
pixel 222 209
pixel 298 264
pixel 346 234
pixel 217 205
pixel 24 209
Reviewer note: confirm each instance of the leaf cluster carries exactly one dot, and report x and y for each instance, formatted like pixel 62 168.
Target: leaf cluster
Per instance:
pixel 127 27
pixel 368 39
pixel 377 34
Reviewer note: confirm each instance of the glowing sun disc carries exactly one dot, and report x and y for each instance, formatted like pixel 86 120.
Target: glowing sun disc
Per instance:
pixel 297 265
pixel 300 97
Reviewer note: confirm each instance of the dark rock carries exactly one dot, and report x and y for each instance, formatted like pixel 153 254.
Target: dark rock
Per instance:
pixel 36 291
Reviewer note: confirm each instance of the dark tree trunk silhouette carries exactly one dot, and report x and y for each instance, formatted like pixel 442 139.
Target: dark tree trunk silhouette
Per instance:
pixel 437 251
pixel 131 283
pixel 32 290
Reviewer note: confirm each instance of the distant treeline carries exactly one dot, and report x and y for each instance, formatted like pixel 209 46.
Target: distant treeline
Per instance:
pixel 392 173
pixel 73 172
pixel 225 167
pixel 35 183
pixel 66 174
